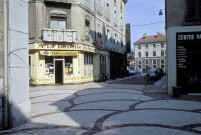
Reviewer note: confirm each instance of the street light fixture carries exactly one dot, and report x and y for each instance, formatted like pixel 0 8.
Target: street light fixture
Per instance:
pixel 161 12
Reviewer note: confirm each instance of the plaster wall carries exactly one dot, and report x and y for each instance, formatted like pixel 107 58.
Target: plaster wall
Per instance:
pixel 18 76
pixel 171 52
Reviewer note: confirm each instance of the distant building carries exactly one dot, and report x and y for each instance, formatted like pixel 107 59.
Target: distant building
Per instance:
pixel 183 23
pixel 150 52
pixel 130 60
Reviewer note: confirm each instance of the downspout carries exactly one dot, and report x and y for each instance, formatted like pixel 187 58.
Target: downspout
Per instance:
pixel 6 106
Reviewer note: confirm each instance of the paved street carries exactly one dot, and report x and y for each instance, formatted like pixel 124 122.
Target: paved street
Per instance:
pixel 110 108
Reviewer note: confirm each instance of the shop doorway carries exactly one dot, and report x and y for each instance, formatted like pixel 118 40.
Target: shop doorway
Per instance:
pixel 58 71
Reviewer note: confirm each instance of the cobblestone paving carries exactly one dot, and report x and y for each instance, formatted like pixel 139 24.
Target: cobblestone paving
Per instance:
pixel 110 111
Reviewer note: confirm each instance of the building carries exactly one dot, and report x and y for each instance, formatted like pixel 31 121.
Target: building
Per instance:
pixel 70 43
pixel 183 23
pixel 15 106
pixel 150 52
pixel 131 60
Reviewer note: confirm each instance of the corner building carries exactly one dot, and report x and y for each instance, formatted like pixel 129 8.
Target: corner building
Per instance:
pixel 70 43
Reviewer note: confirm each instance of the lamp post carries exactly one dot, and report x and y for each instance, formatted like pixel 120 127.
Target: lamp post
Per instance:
pixel 161 12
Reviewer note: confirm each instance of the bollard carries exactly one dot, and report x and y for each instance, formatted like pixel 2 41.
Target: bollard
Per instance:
pixel 146 80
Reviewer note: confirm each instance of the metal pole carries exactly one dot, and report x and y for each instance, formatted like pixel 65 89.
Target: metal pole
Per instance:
pixel 6 106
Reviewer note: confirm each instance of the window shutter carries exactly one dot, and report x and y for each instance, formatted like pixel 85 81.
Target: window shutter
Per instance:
pixel 106 9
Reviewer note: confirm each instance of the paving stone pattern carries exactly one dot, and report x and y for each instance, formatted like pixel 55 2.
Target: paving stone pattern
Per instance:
pixel 110 111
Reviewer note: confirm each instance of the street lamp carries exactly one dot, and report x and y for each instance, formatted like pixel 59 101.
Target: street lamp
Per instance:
pixel 161 12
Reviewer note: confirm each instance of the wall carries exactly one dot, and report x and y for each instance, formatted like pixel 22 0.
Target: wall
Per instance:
pixel 176 12
pixel 18 71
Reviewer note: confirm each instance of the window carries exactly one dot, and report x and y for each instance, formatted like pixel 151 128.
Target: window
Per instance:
pixel 147 46
pixel 147 54
pixel 87 30
pixel 121 6
pixel 99 31
pixel 88 64
pixel 58 23
pixel 115 1
pixel 154 46
pixel 102 64
pixel 162 64
pixel 139 64
pixel 139 47
pixel 154 53
pixel 49 66
pixel 139 54
pixel 122 44
pixel 162 45
pixel 68 66
pixel 154 64
pixel 162 53
pixel 193 10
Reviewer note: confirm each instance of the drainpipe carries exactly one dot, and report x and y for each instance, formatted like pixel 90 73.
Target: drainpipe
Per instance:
pixel 6 106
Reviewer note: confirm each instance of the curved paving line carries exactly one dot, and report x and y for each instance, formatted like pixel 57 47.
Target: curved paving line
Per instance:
pixel 187 128
pixel 48 101
pixel 50 95
pixel 109 93
pixel 43 128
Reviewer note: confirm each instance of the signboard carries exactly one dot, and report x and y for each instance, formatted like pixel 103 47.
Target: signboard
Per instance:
pixel 59 53
pixel 99 42
pixel 188 65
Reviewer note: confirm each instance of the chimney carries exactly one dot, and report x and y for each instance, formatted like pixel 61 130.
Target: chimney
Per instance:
pixel 145 35
pixel 157 34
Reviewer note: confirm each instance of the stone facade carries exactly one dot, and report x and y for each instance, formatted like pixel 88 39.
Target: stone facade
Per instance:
pixel 150 52
pixel 182 17
pixel 94 35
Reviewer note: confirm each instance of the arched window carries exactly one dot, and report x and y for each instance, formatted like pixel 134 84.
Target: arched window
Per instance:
pixel 162 53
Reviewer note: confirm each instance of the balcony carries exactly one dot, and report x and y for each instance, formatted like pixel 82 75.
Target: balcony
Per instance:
pixel 53 35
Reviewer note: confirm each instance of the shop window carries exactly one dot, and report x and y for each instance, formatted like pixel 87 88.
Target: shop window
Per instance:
pixel 58 23
pixel 68 69
pixel 88 64
pixel 102 64
pixel 49 66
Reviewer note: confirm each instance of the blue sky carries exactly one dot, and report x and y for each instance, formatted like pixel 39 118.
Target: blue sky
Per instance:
pixel 140 12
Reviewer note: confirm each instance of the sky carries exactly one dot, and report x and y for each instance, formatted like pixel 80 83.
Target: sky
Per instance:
pixel 139 12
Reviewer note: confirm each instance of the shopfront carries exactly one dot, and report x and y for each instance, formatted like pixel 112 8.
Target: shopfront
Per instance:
pixel 62 64
pixel 188 61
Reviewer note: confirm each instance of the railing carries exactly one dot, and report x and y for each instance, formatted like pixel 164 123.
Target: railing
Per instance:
pixel 54 35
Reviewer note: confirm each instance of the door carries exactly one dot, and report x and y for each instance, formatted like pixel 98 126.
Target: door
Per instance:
pixel 58 72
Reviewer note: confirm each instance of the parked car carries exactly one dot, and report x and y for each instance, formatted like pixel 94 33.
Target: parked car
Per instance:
pixel 138 72
pixel 152 73
pixel 131 72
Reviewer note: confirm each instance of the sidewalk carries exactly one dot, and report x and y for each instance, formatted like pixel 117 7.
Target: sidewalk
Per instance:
pixel 156 87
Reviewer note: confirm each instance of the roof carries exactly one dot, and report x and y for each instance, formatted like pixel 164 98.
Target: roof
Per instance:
pixel 152 38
